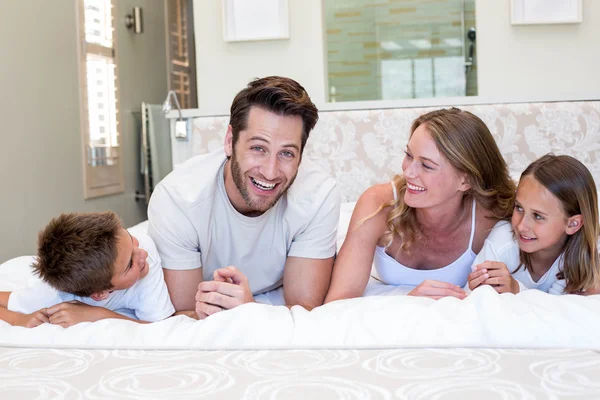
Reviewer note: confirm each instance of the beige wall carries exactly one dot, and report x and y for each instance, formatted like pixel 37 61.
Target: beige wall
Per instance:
pixel 537 60
pixel 552 61
pixel 224 68
pixel 40 145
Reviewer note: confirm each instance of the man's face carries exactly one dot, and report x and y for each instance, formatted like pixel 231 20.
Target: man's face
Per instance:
pixel 264 162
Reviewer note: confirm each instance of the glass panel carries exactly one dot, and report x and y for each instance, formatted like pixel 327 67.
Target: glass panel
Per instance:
pixel 378 49
pixel 98 22
pixel 102 105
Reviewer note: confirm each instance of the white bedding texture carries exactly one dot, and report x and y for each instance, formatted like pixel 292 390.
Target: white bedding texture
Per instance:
pixel 384 318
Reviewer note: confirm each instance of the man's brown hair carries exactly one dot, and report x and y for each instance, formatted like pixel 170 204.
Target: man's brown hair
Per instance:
pixel 279 95
pixel 77 252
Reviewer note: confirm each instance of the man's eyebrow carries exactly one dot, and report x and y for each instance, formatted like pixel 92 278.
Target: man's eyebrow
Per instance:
pixel 292 146
pixel 261 139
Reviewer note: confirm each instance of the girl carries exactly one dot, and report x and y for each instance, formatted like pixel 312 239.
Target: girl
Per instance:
pixel 552 244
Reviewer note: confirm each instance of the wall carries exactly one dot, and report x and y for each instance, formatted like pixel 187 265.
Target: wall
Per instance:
pixel 224 68
pixel 541 60
pixel 40 151
pixel 550 61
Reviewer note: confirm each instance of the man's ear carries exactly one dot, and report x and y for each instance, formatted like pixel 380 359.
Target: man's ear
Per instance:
pixel 229 142
pixel 574 224
pixel 100 295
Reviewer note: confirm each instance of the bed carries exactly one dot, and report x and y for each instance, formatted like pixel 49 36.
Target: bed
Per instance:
pixel 385 345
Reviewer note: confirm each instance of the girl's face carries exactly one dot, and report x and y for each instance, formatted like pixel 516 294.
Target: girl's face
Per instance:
pixel 538 220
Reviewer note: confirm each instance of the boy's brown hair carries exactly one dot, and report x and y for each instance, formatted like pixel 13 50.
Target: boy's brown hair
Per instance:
pixel 77 252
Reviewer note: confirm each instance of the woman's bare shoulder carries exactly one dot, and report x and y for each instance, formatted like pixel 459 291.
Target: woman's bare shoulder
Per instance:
pixel 378 194
pixel 372 200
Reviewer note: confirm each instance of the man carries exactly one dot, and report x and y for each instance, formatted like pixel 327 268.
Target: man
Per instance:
pixel 246 219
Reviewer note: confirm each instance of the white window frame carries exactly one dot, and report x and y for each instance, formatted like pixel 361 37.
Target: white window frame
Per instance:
pixel 107 179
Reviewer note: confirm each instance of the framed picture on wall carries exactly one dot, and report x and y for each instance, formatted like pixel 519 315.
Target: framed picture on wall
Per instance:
pixel 245 20
pixel 528 12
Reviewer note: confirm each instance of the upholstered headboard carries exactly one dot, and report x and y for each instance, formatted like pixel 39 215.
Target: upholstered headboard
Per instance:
pixel 363 147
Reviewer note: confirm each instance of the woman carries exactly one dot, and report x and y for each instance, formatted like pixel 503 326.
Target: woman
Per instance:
pixel 426 227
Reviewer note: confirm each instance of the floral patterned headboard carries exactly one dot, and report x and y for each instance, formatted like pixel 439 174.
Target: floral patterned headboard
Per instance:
pixel 363 147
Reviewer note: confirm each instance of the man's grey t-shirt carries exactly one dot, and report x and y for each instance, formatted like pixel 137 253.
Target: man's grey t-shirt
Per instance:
pixel 194 224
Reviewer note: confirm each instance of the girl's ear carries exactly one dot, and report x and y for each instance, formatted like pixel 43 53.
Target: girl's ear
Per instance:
pixel 100 296
pixel 574 223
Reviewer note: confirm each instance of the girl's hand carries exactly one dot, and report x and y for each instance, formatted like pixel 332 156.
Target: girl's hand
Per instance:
pixel 498 276
pixel 478 276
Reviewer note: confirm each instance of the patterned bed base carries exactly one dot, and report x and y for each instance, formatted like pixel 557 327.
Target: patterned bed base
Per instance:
pixel 300 374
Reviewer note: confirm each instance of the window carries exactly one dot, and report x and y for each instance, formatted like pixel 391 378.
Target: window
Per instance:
pixel 103 171
pixel 180 51
pixel 394 49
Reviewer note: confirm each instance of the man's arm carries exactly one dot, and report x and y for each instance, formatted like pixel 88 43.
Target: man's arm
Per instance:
pixel 4 299
pixel 306 280
pixel 182 286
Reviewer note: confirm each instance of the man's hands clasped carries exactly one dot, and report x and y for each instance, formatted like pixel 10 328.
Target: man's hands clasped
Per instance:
pixel 228 290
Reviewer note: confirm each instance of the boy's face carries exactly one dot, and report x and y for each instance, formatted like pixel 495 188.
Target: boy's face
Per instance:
pixel 131 264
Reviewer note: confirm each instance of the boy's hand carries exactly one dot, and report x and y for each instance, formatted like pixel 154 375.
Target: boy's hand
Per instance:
pixel 495 274
pixel 73 312
pixel 31 320
pixel 228 290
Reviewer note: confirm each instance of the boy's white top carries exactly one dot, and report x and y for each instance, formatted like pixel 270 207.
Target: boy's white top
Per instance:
pixel 194 224
pixel 502 246
pixel 147 300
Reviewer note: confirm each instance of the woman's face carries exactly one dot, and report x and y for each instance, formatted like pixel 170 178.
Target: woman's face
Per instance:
pixel 430 179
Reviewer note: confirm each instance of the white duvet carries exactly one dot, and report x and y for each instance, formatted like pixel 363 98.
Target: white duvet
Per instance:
pixel 385 318
pixel 531 319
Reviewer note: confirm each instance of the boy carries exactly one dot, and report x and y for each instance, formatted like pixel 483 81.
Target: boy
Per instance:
pixel 91 268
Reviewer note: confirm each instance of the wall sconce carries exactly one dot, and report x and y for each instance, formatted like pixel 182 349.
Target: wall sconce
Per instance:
pixel 134 21
pixel 182 127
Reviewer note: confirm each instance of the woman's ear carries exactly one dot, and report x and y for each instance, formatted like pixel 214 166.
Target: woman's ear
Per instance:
pixel 465 182
pixel 100 296
pixel 574 224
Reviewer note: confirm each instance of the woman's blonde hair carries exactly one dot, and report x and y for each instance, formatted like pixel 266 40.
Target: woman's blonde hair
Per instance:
pixel 469 146
pixel 573 185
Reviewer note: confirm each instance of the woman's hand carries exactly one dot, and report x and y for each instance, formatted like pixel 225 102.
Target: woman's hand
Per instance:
pixel 495 274
pixel 436 290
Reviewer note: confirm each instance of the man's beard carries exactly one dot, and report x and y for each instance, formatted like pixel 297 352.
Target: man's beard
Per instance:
pixel 258 205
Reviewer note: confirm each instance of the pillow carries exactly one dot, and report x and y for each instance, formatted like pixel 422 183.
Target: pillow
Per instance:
pixel 17 273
